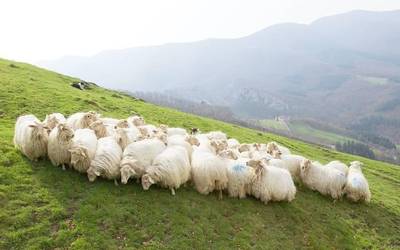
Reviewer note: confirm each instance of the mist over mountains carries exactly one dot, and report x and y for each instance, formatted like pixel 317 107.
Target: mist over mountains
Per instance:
pixel 343 70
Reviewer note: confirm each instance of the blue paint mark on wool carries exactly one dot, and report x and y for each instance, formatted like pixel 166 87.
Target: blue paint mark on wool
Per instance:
pixel 238 168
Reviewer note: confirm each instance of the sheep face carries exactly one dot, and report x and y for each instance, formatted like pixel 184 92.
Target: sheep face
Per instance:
pixel 147 181
pixel 51 121
pixel 192 140
pixel 305 165
pixel 144 132
pixel 162 137
pixel 137 120
pixel 122 124
pixel 128 166
pixel 39 132
pixel 276 154
pixel 89 118
pixel 271 147
pixel 228 154
pixel 257 165
pixel 93 173
pixel 99 129
pixel 78 155
pixel 65 133
pixel 163 128
pixel 244 147
pixel 219 145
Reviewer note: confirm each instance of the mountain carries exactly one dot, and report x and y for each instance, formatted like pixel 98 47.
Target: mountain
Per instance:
pixel 342 69
pixel 45 207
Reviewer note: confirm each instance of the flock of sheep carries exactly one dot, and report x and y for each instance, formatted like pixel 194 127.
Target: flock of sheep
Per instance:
pixel 170 157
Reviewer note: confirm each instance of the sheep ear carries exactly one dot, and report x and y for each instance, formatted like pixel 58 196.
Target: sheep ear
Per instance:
pixel 32 126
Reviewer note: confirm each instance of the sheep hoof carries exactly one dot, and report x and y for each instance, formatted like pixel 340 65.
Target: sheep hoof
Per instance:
pixel 116 182
pixel 172 191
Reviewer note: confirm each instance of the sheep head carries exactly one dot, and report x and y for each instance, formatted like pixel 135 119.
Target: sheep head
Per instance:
pixel 305 165
pixel 89 118
pixel 356 165
pixel 192 140
pixel 128 166
pixel 162 137
pixel 228 154
pixel 65 133
pixel 219 145
pixel 122 124
pixel 144 132
pixel 272 146
pixel 163 128
pixel 244 147
pixel 93 173
pixel 147 181
pixel 78 154
pixel 257 165
pixel 51 121
pixel 137 120
pixel 39 131
pixel 276 154
pixel 99 129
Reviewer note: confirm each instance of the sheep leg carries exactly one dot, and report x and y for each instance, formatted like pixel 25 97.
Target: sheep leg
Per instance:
pixel 172 191
pixel 115 182
pixel 220 194
pixel 63 166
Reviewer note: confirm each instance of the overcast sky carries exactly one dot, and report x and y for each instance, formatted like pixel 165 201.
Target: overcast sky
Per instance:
pixel 47 29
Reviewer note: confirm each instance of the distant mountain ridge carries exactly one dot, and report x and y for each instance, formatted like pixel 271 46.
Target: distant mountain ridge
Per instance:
pixel 339 69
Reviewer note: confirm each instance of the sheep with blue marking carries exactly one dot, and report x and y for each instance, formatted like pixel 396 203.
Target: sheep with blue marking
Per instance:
pixel 357 188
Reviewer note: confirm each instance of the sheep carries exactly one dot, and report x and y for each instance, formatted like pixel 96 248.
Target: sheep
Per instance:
pixel 217 135
pixel 240 176
pixel 31 137
pixel 53 120
pixel 81 120
pixel 126 136
pixel 245 147
pixel 208 171
pixel 137 156
pixel 148 130
pixel 83 149
pixel 102 130
pixel 59 144
pixel 106 162
pixel 271 183
pixel 339 166
pixel 327 181
pixel 170 169
pixel 290 162
pixel 115 123
pixel 273 146
pixel 233 143
pixel 186 141
pixel 135 121
pixel 357 188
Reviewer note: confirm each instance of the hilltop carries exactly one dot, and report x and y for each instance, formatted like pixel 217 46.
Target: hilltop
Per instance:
pixel 44 207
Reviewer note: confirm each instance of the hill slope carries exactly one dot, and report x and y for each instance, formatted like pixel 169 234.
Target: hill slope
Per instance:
pixel 45 207
pixel 338 69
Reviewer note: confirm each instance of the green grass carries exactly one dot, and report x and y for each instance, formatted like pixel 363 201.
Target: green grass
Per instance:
pixel 44 207
pixel 303 129
pixel 274 124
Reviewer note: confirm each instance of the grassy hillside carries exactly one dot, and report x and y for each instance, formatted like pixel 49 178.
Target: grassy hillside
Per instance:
pixel 44 207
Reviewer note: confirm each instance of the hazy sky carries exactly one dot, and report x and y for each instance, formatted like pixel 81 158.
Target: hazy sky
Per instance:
pixel 47 29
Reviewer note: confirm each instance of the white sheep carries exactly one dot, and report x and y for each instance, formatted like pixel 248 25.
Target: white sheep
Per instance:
pixel 271 183
pixel 81 120
pixel 126 136
pixel 273 146
pixel 240 176
pixel 53 120
pixel 339 166
pixel 106 162
pixel 290 162
pixel 327 181
pixel 170 169
pixel 135 121
pixel 139 155
pixel 149 130
pixel 59 144
pixel 208 171
pixel 357 188
pixel 31 137
pixel 83 149
pixel 102 130
pixel 172 131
